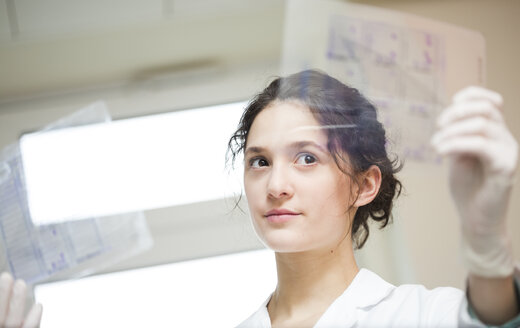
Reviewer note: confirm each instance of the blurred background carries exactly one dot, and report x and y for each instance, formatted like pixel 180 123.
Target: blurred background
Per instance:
pixel 158 56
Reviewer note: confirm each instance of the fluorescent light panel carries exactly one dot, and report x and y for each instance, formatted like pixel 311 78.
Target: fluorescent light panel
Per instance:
pixel 214 292
pixel 130 165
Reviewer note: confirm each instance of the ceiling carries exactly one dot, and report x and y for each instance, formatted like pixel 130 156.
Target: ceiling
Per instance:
pixel 58 45
pixel 29 20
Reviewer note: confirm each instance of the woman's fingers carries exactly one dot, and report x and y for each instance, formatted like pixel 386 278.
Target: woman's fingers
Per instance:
pixel 467 145
pixel 16 305
pixel 12 304
pixel 498 154
pixel 472 126
pixel 33 317
pixel 461 111
pixel 473 102
pixel 6 287
pixel 478 93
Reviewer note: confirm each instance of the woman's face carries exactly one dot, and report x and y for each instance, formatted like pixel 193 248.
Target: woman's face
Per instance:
pixel 297 195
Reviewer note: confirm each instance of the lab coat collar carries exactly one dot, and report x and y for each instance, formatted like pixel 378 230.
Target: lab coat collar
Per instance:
pixel 367 289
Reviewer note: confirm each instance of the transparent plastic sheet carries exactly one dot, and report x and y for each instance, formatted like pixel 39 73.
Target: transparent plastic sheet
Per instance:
pixel 69 249
pixel 407 66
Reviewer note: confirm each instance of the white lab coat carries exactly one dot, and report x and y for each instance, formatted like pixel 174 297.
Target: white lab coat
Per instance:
pixel 370 301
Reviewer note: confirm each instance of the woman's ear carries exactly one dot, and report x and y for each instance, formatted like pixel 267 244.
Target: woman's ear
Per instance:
pixel 370 182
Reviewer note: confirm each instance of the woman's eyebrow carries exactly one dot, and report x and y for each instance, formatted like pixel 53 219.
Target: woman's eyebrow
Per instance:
pixel 305 143
pixel 293 145
pixel 254 149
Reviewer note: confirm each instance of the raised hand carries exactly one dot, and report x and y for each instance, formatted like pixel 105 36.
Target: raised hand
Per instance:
pixel 483 158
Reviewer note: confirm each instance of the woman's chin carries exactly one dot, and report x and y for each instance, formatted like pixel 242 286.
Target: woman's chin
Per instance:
pixel 284 242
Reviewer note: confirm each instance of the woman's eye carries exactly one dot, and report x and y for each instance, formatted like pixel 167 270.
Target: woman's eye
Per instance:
pixel 258 162
pixel 306 159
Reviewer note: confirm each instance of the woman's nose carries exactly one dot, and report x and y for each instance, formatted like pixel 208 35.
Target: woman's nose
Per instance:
pixel 279 185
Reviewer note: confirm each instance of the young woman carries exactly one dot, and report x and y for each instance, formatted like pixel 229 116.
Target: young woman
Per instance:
pixel 316 170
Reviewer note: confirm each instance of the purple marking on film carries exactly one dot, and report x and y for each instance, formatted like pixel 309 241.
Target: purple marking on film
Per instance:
pixel 428 40
pixel 429 60
pixel 419 109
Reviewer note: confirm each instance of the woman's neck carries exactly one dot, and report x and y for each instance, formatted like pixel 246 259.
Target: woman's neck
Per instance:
pixel 308 282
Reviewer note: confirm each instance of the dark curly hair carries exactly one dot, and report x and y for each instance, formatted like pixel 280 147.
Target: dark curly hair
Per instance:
pixel 334 104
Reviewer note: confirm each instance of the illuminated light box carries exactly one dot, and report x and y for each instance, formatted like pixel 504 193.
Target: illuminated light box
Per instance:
pixel 130 165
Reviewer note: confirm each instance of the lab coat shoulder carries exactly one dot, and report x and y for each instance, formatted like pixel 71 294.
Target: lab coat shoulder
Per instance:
pixel 415 306
pixel 370 301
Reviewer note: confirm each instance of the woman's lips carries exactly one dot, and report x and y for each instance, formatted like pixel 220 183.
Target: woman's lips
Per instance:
pixel 280 215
